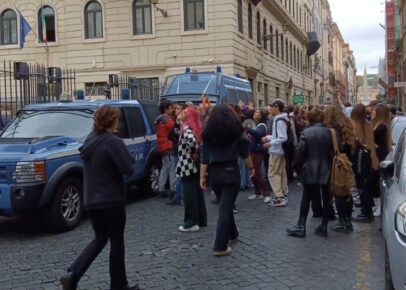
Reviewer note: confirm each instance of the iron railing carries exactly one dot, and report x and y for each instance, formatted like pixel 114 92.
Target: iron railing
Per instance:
pixel 22 84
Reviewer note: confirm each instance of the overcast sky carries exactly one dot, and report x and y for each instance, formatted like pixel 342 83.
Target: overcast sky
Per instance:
pixel 359 21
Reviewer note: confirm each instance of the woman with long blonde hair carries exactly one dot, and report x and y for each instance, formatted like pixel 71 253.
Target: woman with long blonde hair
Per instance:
pixel 365 135
pixel 334 118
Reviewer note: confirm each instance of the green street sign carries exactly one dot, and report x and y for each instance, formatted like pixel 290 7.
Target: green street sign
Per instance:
pixel 298 99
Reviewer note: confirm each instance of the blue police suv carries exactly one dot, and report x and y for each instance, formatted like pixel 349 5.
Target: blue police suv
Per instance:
pixel 40 166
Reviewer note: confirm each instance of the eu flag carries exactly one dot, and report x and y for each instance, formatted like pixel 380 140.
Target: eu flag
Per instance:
pixel 25 28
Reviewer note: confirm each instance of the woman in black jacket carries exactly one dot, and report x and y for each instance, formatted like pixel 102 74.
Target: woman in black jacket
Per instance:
pixel 222 145
pixel 314 158
pixel 106 160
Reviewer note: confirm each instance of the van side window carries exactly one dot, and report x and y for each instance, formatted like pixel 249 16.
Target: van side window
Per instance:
pixel 231 96
pixel 135 122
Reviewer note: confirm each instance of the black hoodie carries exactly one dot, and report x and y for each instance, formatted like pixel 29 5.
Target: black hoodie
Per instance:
pixel 106 160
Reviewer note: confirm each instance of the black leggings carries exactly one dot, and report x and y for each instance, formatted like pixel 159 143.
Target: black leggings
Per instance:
pixel 108 224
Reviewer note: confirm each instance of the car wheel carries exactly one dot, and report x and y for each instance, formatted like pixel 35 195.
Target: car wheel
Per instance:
pixel 388 275
pixel 67 208
pixel 151 184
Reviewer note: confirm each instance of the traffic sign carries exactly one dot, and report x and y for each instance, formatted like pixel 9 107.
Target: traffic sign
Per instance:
pixel 298 99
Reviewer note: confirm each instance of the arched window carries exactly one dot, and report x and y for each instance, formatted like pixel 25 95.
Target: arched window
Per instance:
pixel 193 11
pixel 249 21
pixel 93 20
pixel 240 18
pixel 8 23
pixel 271 39
pixel 265 33
pixel 142 17
pixel 46 24
pixel 258 28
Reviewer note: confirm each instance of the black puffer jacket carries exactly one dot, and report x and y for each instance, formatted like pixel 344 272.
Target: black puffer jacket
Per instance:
pixel 314 155
pixel 106 160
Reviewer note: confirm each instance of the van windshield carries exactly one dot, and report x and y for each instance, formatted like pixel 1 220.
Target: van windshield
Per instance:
pixel 192 83
pixel 39 124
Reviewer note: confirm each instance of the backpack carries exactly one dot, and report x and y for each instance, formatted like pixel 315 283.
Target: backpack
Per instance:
pixel 342 177
pixel 362 166
pixel 287 146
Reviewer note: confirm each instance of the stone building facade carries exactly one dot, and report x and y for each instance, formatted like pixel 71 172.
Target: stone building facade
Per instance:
pixel 104 37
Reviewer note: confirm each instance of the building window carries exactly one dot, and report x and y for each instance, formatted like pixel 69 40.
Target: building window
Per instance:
pixel 142 17
pixel 46 24
pixel 282 49
pixel 259 87
pixel 8 22
pixel 194 14
pixel 277 43
pixel 240 19
pixel 277 92
pixel 258 28
pixel 287 51
pixel 291 54
pixel 249 21
pixel 266 94
pixel 93 20
pixel 271 39
pixel 265 33
pixel 95 88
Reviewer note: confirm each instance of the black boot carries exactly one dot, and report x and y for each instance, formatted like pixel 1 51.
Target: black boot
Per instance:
pixel 69 282
pixel 364 218
pixel 348 224
pixel 340 226
pixel 321 230
pixel 298 230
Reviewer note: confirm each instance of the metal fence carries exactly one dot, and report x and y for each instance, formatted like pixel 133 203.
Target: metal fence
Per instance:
pixel 128 87
pixel 22 84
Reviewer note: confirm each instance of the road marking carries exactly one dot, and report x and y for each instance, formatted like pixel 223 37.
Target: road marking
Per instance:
pixel 364 257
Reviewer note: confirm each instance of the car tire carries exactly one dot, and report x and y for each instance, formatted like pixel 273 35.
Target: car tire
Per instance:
pixel 67 207
pixel 150 183
pixel 388 275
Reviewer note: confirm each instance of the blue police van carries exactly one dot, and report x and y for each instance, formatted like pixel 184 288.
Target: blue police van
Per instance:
pixel 219 87
pixel 40 166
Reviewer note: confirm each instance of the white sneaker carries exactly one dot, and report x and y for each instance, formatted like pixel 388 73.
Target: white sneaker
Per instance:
pixel 254 197
pixel 222 253
pixel 194 228
pixel 377 210
pixel 267 199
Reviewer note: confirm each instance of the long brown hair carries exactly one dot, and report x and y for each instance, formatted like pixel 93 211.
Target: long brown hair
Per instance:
pixel 382 116
pixel 359 118
pixel 334 118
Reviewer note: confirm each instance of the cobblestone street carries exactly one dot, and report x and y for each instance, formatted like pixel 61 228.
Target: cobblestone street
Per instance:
pixel 160 257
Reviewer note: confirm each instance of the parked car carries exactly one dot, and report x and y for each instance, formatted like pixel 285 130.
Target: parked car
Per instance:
pixel 40 166
pixel 393 172
pixel 398 126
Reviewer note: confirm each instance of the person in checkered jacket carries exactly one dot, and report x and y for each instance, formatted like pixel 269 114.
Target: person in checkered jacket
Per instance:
pixel 188 170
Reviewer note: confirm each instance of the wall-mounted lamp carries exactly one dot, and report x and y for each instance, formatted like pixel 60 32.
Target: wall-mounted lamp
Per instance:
pixel 163 11
pixel 285 27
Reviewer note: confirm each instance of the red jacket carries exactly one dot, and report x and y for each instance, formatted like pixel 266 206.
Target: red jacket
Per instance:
pixel 163 125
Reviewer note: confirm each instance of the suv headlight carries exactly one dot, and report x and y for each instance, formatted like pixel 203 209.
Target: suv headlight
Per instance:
pixel 400 220
pixel 29 172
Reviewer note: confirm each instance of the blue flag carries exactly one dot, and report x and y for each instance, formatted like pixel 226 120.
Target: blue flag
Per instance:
pixel 25 28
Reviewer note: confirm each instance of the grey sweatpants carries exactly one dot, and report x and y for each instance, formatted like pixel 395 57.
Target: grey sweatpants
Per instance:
pixel 168 170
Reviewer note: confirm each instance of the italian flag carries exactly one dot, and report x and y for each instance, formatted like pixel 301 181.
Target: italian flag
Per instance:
pixel 44 26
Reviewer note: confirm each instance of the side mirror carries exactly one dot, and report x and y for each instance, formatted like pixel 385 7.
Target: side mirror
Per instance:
pixel 387 169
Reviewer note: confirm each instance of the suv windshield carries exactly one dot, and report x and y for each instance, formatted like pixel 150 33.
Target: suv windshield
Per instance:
pixel 38 124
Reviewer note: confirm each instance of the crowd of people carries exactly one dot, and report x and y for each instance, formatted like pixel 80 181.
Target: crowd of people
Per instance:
pixel 228 148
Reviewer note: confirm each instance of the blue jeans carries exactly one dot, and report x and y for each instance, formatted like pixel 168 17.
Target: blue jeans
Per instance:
pixel 245 177
pixel 179 189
